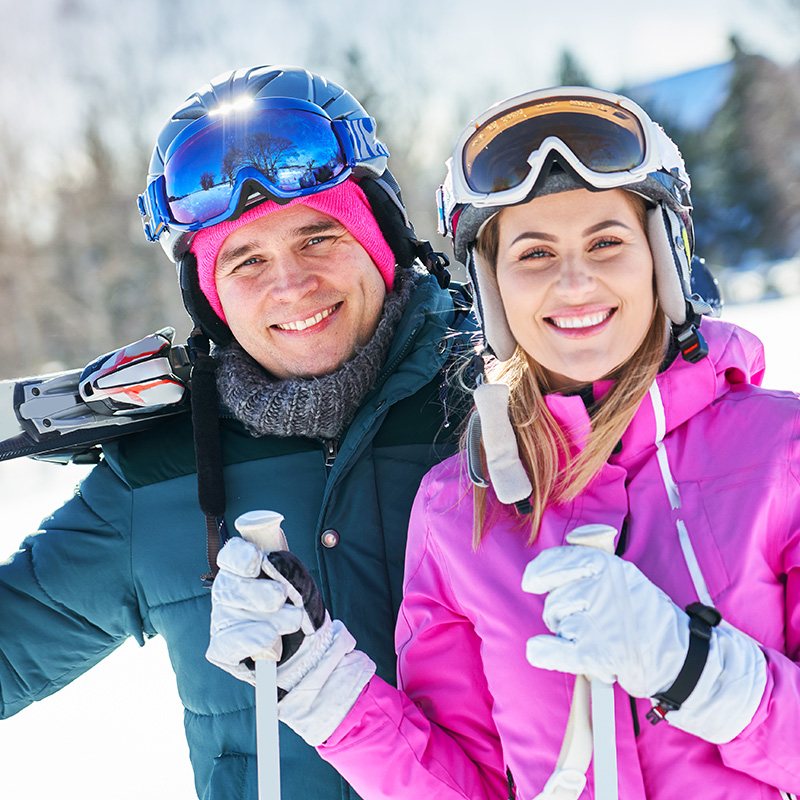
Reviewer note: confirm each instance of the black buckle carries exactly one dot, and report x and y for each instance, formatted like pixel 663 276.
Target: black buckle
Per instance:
pixel 702 619
pixel 436 263
pixel 692 344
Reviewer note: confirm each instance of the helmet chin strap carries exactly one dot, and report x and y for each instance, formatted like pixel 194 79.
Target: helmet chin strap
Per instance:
pixel 508 476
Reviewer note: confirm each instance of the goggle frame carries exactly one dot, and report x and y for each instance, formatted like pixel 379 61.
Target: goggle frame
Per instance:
pixel 355 137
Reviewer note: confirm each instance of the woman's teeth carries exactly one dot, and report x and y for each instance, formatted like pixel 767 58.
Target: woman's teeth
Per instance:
pixel 580 322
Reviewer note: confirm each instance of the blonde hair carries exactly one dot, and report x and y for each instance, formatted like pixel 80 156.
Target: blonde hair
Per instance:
pixel 556 473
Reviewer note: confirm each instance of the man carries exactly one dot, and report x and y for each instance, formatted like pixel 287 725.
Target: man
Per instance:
pixel 321 399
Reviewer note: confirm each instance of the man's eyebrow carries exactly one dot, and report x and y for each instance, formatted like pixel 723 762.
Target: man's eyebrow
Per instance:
pixel 322 226
pixel 314 228
pixel 234 254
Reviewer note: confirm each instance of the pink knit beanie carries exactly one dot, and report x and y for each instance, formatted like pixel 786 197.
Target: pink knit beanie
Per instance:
pixel 346 203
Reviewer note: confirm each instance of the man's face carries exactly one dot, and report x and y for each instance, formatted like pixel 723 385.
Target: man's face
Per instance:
pixel 299 292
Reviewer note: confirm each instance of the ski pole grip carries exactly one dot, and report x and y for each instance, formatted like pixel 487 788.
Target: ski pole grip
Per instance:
pixel 603 726
pixel 601 537
pixel 263 529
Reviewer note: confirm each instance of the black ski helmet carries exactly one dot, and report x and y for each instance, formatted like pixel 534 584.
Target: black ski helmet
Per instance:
pixel 259 82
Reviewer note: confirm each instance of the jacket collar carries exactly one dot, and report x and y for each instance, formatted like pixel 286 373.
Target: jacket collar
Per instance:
pixel 735 357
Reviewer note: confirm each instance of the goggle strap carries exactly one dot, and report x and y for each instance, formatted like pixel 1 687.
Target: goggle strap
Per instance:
pixel 472 271
pixel 148 207
pixel 361 133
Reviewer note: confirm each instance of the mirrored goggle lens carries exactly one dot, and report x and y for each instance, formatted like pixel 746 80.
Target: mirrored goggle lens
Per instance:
pixel 291 149
pixel 605 138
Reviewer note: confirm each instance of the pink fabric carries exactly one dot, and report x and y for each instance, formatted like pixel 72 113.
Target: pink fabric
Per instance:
pixel 471 705
pixel 346 203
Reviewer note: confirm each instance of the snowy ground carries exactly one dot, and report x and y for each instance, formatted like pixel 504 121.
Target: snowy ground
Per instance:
pixel 117 732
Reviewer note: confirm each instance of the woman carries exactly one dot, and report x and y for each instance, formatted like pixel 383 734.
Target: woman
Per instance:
pixel 631 433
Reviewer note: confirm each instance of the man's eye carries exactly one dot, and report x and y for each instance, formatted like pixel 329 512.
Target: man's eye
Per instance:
pixel 317 240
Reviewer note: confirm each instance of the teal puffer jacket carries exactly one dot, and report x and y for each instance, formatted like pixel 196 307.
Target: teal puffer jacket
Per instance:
pixel 124 557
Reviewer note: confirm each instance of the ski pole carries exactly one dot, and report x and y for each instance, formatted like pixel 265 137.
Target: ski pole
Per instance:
pixel 263 529
pixel 604 739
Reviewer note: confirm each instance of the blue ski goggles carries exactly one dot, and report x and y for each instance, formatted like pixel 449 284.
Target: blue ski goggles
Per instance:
pixel 278 147
pixel 607 140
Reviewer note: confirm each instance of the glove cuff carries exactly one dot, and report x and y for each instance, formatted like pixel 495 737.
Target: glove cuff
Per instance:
pixel 312 650
pixel 702 620
pixel 728 691
pixel 319 701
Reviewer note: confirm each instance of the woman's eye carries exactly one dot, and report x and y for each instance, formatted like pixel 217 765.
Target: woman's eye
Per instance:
pixel 534 253
pixel 604 243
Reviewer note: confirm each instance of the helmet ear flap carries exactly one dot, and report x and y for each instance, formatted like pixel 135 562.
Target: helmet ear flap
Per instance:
pixel 196 303
pixel 395 227
pixel 490 307
pixel 670 261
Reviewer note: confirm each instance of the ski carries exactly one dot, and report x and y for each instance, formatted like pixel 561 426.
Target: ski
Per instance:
pixel 66 416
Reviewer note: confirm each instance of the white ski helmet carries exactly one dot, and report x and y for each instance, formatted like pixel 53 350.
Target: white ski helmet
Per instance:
pixel 557 140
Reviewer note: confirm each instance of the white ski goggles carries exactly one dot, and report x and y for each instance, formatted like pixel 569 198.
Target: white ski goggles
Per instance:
pixel 607 139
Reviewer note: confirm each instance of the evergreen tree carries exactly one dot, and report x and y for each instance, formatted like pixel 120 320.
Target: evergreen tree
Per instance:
pixel 570 71
pixel 732 196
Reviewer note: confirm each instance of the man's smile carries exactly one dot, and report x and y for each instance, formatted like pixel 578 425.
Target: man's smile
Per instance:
pixel 304 324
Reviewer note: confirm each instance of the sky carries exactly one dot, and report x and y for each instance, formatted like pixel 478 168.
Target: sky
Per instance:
pixel 462 54
pixel 117 732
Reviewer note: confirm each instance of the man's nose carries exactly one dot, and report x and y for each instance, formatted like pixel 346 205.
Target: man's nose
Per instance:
pixel 289 279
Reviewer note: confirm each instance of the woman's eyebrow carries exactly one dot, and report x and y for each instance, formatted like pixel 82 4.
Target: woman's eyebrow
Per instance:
pixel 609 223
pixel 546 237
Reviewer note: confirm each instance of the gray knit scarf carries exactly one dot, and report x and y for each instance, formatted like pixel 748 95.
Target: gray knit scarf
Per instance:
pixel 319 407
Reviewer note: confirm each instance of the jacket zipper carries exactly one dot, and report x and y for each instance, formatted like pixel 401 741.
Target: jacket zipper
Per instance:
pixel 331 445
pixel 389 368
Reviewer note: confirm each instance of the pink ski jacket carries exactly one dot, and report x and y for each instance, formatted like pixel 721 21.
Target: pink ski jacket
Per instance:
pixel 706 486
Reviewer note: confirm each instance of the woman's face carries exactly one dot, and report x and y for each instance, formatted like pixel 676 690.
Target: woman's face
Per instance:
pixel 576 278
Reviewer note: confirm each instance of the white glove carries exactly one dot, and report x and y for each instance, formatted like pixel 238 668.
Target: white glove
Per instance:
pixel 284 619
pixel 612 623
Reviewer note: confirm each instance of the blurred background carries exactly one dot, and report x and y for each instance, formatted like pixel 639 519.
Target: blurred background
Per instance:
pixel 85 86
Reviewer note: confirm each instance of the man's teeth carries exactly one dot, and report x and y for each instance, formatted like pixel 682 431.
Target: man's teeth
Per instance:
pixel 580 322
pixel 301 325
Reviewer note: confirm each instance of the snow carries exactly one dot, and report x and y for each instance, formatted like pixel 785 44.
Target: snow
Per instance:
pixel 117 731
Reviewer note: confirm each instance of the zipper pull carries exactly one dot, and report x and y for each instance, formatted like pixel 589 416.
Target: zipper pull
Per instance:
pixel 332 450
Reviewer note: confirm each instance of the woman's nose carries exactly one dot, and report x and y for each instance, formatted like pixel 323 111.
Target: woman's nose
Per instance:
pixel 575 277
